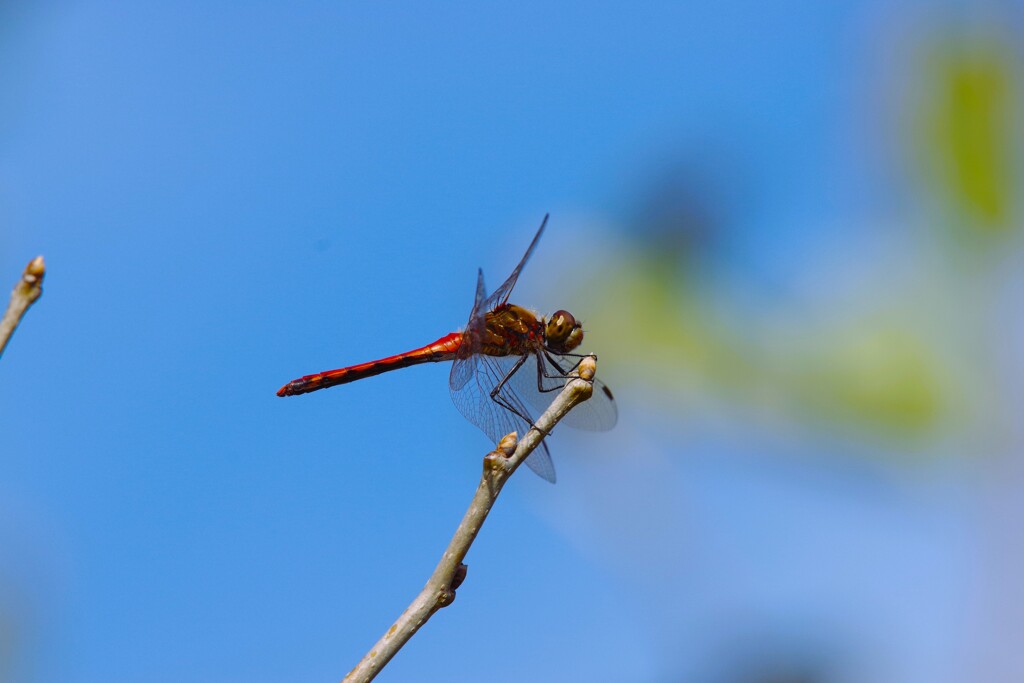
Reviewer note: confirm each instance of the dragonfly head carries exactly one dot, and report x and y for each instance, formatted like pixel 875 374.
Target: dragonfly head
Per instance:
pixel 563 332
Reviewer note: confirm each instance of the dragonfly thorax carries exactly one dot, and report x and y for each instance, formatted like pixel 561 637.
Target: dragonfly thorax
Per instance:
pixel 562 332
pixel 512 330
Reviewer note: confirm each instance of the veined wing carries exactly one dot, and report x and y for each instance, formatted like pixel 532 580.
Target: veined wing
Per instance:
pixel 501 294
pixel 478 375
pixel 472 337
pixel 539 381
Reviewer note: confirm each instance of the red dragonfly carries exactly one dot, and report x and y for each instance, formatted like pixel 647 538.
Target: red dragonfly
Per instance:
pixel 489 381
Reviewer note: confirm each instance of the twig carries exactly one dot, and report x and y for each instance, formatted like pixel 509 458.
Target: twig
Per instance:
pixel 28 289
pixel 498 467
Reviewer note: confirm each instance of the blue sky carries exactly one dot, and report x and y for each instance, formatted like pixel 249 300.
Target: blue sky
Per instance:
pixel 231 196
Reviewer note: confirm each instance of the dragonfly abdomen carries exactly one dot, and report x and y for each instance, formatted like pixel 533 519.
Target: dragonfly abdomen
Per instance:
pixel 443 349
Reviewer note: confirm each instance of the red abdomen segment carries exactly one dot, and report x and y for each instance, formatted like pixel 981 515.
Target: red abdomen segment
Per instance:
pixel 443 349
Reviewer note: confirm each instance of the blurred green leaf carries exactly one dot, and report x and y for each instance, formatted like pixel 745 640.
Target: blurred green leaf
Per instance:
pixel 972 123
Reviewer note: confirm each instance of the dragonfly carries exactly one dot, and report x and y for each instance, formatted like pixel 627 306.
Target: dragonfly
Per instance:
pixel 506 364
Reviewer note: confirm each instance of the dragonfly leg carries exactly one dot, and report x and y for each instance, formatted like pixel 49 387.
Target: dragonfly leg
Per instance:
pixel 542 374
pixel 565 373
pixel 581 356
pixel 505 403
pixel 578 356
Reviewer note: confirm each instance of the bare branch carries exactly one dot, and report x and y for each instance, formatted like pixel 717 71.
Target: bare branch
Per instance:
pixel 28 289
pixel 498 467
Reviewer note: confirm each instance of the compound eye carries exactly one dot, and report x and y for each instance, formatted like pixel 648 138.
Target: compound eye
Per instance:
pixel 565 318
pixel 560 328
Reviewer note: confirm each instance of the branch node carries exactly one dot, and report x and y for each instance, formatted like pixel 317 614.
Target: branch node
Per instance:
pixel 498 460
pixel 446 596
pixel 460 575
pixel 507 445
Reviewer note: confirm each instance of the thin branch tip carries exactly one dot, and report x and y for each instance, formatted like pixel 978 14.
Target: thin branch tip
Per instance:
pixel 588 368
pixel 36 267
pixel 30 285
pixel 28 288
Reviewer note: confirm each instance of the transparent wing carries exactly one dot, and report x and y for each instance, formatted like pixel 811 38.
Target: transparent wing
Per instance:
pixel 472 380
pixel 501 294
pixel 539 381
pixel 471 337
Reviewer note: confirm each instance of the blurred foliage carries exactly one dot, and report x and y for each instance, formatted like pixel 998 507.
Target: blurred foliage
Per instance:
pixel 875 372
pixel 880 374
pixel 893 363
pixel 971 120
